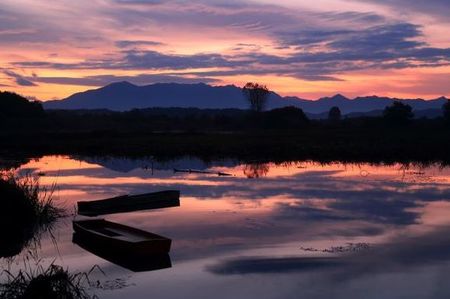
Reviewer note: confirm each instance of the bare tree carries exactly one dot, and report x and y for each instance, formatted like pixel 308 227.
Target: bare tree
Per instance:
pixel 257 95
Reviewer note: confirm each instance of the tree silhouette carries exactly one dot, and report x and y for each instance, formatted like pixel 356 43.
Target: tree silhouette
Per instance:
pixel 14 105
pixel 398 113
pixel 256 170
pixel 446 111
pixel 286 117
pixel 256 95
pixel 334 114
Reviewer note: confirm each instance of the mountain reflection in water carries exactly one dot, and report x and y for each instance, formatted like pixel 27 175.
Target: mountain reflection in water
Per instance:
pixel 235 237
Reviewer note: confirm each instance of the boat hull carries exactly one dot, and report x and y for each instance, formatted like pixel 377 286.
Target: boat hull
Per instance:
pixel 123 204
pixel 133 262
pixel 121 239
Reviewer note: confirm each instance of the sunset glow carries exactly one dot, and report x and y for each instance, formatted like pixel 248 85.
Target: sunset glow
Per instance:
pixel 50 50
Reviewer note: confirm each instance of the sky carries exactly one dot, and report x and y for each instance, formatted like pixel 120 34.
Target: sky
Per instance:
pixel 401 48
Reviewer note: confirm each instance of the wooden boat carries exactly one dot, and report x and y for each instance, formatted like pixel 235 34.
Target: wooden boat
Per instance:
pixel 201 171
pixel 133 262
pixel 224 174
pixel 130 203
pixel 192 171
pixel 121 239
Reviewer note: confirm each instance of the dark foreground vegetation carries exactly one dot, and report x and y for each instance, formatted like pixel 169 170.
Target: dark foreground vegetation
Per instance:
pixel 276 135
pixel 26 211
pixel 52 282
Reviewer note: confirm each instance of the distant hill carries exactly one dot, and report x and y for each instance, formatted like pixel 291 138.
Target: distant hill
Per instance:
pixel 14 105
pixel 123 96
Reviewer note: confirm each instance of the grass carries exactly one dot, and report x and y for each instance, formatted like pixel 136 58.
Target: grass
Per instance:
pixel 346 142
pixel 277 135
pixel 26 211
pixel 52 282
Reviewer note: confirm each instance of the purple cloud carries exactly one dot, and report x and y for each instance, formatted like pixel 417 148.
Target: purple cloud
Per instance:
pixel 392 46
pixel 133 43
pixel 141 79
pixel 20 80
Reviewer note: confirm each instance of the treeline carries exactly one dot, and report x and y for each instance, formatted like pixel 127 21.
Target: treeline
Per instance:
pixel 179 119
pixel 277 135
pixel 19 114
pixel 13 105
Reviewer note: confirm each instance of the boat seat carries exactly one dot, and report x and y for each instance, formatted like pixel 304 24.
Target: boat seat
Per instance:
pixel 108 232
pixel 127 235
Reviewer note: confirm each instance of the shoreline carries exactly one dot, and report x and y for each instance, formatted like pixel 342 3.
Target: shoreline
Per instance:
pixel 323 145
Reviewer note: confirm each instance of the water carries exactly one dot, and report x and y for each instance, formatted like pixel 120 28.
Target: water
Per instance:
pixel 266 231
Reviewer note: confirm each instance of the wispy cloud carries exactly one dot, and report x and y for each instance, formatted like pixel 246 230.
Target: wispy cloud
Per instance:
pixel 392 46
pixel 216 40
pixel 19 79
pixel 141 79
pixel 436 8
pixel 133 43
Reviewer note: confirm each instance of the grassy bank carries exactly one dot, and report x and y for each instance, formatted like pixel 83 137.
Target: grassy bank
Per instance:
pixel 419 141
pixel 26 211
pixel 52 282
pixel 283 134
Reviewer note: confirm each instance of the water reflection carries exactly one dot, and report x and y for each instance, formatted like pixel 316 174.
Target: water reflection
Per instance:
pixel 404 253
pixel 39 282
pixel 27 211
pixel 256 170
pixel 132 262
pixel 249 233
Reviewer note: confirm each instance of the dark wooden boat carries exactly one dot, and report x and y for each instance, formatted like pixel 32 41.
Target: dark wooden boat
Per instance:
pixel 121 239
pixel 130 203
pixel 192 171
pixel 133 262
pixel 224 174
pixel 201 171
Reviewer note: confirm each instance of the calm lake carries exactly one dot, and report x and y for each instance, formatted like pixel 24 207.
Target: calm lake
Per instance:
pixel 292 230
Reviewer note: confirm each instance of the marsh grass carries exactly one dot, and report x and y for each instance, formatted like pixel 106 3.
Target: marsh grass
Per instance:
pixel 52 282
pixel 26 211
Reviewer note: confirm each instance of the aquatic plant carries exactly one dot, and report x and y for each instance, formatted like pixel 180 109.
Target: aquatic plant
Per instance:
pixel 26 211
pixel 52 282
pixel 256 170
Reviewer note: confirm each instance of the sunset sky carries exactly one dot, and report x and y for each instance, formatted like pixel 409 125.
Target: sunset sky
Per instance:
pixel 51 49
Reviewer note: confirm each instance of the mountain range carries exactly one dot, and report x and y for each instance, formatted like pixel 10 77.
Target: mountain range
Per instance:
pixel 123 96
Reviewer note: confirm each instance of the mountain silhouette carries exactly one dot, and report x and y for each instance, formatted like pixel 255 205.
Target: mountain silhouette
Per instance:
pixel 123 96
